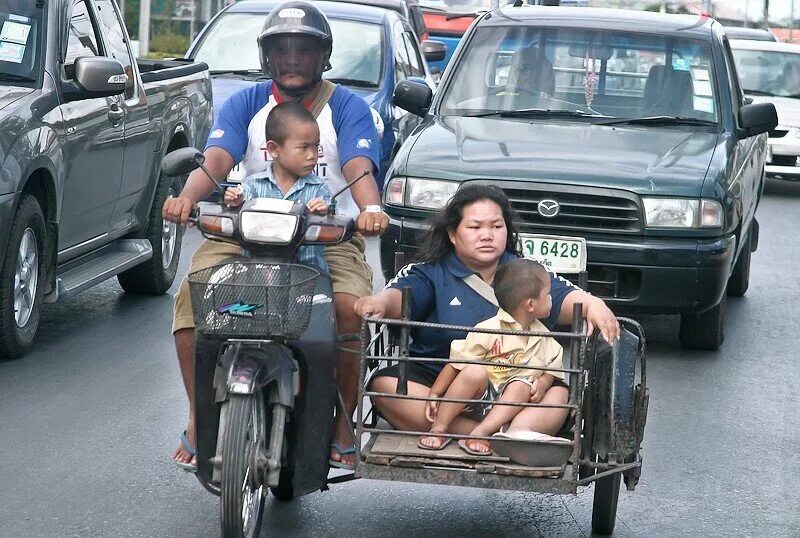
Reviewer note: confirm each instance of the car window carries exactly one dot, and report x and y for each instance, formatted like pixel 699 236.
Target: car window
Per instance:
pixel 115 39
pixel 415 60
pixel 613 73
pixel 82 38
pixel 402 61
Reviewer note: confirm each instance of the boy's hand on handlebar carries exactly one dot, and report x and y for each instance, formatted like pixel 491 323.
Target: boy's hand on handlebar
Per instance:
pixel 432 409
pixel 372 222
pixel 234 196
pixel 318 206
pixel 178 209
pixel 370 306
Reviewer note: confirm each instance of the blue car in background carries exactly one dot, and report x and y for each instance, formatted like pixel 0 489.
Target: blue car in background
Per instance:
pixel 373 49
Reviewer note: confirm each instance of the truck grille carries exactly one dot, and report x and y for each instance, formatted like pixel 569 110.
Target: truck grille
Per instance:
pixel 581 209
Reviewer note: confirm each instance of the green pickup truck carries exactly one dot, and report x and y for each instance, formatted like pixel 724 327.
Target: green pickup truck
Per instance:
pixel 622 139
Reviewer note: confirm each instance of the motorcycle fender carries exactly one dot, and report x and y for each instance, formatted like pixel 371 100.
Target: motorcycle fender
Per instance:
pixel 256 366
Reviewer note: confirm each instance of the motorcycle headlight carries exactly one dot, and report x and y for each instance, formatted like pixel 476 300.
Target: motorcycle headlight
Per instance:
pixel 420 193
pixel 682 213
pixel 270 228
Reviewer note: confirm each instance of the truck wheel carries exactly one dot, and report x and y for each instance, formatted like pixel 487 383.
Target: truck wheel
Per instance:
pixel 22 277
pixel 604 507
pixel 739 280
pixel 706 330
pixel 155 276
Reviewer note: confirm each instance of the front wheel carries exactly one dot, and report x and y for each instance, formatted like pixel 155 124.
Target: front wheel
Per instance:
pixel 242 490
pixel 604 507
pixel 739 280
pixel 706 330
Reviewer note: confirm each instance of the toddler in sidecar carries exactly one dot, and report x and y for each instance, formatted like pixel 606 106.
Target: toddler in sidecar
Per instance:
pixel 522 288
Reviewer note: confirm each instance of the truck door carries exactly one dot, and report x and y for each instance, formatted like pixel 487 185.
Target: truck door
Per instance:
pixel 93 142
pixel 139 141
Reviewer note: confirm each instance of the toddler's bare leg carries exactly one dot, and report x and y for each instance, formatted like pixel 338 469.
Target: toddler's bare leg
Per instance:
pixel 470 383
pixel 514 392
pixel 542 419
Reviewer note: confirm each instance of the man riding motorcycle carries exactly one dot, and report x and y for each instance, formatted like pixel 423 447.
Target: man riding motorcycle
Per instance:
pixel 295 47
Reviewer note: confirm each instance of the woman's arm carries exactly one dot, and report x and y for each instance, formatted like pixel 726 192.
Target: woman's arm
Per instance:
pixel 384 304
pixel 595 310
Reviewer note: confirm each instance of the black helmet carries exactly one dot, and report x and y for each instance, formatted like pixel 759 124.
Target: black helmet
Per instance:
pixel 297 18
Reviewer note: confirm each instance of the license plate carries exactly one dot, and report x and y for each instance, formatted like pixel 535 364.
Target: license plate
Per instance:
pixel 556 253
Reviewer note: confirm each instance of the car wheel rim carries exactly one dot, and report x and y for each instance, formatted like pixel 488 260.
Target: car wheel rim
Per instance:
pixel 26 278
pixel 252 488
pixel 169 238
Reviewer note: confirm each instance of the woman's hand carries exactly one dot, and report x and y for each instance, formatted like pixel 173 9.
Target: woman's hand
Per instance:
pixel 432 409
pixel 599 316
pixel 318 206
pixel 372 305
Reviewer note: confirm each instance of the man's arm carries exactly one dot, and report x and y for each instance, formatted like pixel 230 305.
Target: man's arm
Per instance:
pixel 198 186
pixel 365 193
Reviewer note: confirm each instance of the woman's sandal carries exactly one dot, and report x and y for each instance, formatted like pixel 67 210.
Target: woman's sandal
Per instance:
pixel 463 444
pixel 440 447
pixel 187 446
pixel 342 452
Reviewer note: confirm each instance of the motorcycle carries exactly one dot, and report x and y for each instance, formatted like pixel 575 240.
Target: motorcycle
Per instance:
pixel 265 352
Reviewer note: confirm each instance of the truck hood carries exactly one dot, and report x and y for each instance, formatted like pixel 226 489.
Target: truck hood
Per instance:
pixel 788 109
pixel 223 87
pixel 11 94
pixel 642 159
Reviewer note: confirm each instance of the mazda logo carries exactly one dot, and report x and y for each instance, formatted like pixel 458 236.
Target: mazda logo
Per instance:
pixel 548 208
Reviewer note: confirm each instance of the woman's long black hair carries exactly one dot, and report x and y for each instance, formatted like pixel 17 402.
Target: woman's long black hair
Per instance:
pixel 435 243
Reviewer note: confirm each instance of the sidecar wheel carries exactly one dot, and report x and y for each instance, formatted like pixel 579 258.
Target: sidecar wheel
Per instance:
pixel 242 493
pixel 604 508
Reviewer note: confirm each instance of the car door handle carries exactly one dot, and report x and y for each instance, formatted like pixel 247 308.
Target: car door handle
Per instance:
pixel 115 114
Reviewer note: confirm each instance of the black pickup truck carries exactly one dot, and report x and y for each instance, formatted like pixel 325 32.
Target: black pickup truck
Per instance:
pixel 83 128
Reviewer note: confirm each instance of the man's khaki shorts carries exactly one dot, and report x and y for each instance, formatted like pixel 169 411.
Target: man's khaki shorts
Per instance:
pixel 347 263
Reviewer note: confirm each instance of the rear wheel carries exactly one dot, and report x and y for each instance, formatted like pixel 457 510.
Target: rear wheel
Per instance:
pixel 706 330
pixel 242 493
pixel 604 508
pixel 22 278
pixel 155 276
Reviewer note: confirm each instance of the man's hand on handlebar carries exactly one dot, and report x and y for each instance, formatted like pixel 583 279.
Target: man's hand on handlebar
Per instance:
pixel 372 222
pixel 178 210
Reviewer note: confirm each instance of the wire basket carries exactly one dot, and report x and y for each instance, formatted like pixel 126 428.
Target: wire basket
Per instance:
pixel 253 300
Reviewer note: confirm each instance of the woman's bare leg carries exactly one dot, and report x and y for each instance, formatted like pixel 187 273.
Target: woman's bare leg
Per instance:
pixel 470 383
pixel 543 419
pixel 500 415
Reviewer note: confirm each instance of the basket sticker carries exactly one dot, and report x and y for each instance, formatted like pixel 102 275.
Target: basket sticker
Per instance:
pixel 239 309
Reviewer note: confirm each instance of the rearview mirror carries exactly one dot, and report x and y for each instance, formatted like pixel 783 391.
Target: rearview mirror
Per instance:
pixel 100 77
pixel 434 51
pixel 413 97
pixel 182 161
pixel 758 118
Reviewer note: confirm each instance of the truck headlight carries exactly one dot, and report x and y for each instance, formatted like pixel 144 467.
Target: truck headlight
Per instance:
pixel 270 228
pixel 682 213
pixel 420 193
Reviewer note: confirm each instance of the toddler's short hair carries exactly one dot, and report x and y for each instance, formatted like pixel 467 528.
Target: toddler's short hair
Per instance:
pixel 518 280
pixel 283 117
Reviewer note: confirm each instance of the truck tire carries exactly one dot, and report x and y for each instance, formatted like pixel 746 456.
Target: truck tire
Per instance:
pixel 739 280
pixel 706 330
pixel 155 276
pixel 22 278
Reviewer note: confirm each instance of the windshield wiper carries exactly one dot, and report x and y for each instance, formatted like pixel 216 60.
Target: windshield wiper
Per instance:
pixel 10 77
pixel 532 113
pixel 759 92
pixel 658 120
pixel 240 72
pixel 358 83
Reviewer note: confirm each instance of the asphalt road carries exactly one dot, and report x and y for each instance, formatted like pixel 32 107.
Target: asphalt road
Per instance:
pixel 89 417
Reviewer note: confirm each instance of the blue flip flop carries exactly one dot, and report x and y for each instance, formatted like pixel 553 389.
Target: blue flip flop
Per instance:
pixel 342 452
pixel 187 446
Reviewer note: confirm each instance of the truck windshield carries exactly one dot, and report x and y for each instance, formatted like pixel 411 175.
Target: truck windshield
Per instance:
pixel 230 45
pixel 20 42
pixel 610 74
pixel 768 72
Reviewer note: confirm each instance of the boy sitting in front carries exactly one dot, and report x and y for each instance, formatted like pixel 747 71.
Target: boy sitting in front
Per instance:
pixel 522 288
pixel 293 144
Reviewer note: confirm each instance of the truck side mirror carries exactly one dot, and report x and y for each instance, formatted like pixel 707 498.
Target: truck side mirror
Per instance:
pixel 96 77
pixel 758 118
pixel 181 161
pixel 434 51
pixel 413 97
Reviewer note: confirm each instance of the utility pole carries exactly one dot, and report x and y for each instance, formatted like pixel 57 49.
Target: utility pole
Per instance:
pixel 766 13
pixel 144 27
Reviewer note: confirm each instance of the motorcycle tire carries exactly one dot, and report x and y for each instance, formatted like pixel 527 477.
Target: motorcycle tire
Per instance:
pixel 242 494
pixel 604 507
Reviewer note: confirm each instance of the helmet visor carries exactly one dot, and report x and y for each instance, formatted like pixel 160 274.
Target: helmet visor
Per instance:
pixel 293 59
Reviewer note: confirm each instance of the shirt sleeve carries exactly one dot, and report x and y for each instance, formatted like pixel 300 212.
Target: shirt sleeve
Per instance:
pixel 560 287
pixel 474 347
pixel 553 355
pixel 423 294
pixel 355 130
pixel 324 192
pixel 230 127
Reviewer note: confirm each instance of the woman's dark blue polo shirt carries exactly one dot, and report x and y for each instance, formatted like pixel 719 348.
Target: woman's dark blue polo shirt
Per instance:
pixel 440 295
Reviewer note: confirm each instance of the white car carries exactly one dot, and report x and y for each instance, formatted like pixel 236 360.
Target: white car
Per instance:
pixel 770 71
